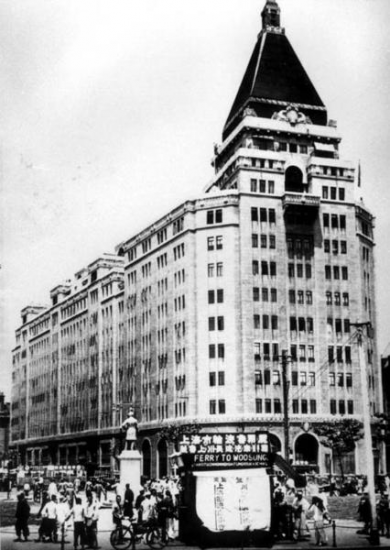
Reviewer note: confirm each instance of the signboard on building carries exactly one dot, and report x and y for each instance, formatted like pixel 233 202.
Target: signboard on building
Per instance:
pixel 229 450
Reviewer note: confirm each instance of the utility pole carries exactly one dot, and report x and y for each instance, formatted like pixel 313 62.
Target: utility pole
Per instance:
pixel 285 383
pixel 374 534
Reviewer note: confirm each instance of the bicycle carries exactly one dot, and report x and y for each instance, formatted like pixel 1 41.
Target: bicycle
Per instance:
pixel 122 537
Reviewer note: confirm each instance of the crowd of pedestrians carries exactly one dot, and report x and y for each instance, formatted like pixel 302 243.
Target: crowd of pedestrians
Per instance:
pixel 292 510
pixel 63 502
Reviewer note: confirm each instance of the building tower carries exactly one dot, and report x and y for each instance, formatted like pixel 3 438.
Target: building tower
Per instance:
pixel 190 320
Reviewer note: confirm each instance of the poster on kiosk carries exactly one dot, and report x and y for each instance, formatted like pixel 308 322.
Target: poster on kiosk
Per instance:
pixel 227 492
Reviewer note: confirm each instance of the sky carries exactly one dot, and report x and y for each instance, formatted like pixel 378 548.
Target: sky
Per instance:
pixel 109 110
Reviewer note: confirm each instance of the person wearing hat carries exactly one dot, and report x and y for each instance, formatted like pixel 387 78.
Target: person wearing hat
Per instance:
pixel 147 507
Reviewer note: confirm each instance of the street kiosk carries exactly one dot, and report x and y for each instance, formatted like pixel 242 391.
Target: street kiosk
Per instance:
pixel 226 498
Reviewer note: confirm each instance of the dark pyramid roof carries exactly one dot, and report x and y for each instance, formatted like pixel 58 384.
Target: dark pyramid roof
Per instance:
pixel 275 78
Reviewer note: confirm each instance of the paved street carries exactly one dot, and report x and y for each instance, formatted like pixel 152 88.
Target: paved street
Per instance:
pixel 346 536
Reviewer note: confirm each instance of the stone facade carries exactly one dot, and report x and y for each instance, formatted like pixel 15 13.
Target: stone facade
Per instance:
pixel 188 321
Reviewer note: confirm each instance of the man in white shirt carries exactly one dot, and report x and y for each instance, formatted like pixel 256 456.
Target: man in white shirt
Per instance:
pixel 78 526
pixel 91 516
pixel 50 513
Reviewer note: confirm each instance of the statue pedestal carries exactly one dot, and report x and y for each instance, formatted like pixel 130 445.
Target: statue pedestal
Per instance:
pixel 130 472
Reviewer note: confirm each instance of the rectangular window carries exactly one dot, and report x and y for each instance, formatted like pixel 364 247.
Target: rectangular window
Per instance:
pixel 211 297
pixel 272 241
pixel 221 351
pixel 294 378
pixel 213 406
pixel 330 354
pixel 210 243
pixel 275 352
pixel 272 215
pixel 276 378
pixel 299 270
pixel 343 247
pixel 291 296
pixel 295 406
pixel 328 272
pixel 334 221
pixel 267 377
pixel 350 406
pixel 335 247
pixel 211 323
pixel 266 352
pixel 254 214
pixel 256 294
pixel 328 298
pixel 324 192
pixel 212 351
pixel 310 353
pixel 271 187
pixel 221 406
pixel 341 194
pixel 272 267
pixel 220 295
pixel 268 406
pixel 341 407
pixel 210 270
pixel 302 378
pixel 263 241
pixel 274 322
pixel 265 322
pixel 347 354
pixel 313 406
pixel 256 321
pixel 255 267
pixel 219 242
pixel 262 186
pixel 301 297
pixel 291 272
pixel 274 295
pixel 259 406
pixel 342 222
pixel 210 217
pixel 264 268
pixel 304 406
pixel 309 297
pixel 333 407
pixel 344 273
pixel 348 380
pixel 212 379
pixel 253 186
pixel 336 272
pixel 312 378
pixel 293 352
pixel 219 269
pixel 340 379
pixel 218 216
pixel 332 379
pixel 308 271
pixel 337 299
pixel 258 378
pixel 347 326
pixel 277 406
pixel 263 214
pixel 264 294
pixel 255 240
pixel 220 323
pixel 326 246
pixel 333 193
pixel 325 220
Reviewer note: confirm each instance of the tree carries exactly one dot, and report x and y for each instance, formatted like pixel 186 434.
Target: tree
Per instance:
pixel 341 437
pixel 174 432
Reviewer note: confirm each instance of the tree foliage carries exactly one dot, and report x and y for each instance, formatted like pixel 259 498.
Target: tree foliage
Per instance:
pixel 174 432
pixel 340 436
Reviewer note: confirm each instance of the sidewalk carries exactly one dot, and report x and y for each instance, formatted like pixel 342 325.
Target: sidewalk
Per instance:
pixel 346 537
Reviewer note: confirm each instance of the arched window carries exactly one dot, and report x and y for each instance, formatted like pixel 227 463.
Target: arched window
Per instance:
pixel 275 443
pixel 162 453
pixel 146 459
pixel 306 449
pixel 294 180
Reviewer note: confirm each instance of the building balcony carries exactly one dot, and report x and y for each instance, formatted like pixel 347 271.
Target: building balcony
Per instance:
pixel 300 208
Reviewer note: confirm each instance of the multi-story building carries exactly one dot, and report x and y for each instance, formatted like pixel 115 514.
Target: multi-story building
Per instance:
pixel 276 256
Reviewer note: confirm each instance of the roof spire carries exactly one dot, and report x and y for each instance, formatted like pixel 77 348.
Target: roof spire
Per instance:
pixel 271 16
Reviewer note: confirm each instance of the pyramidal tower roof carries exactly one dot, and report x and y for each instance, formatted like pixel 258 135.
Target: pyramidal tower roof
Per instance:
pixel 275 77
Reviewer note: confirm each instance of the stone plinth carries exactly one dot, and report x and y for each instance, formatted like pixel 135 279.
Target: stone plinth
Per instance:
pixel 130 471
